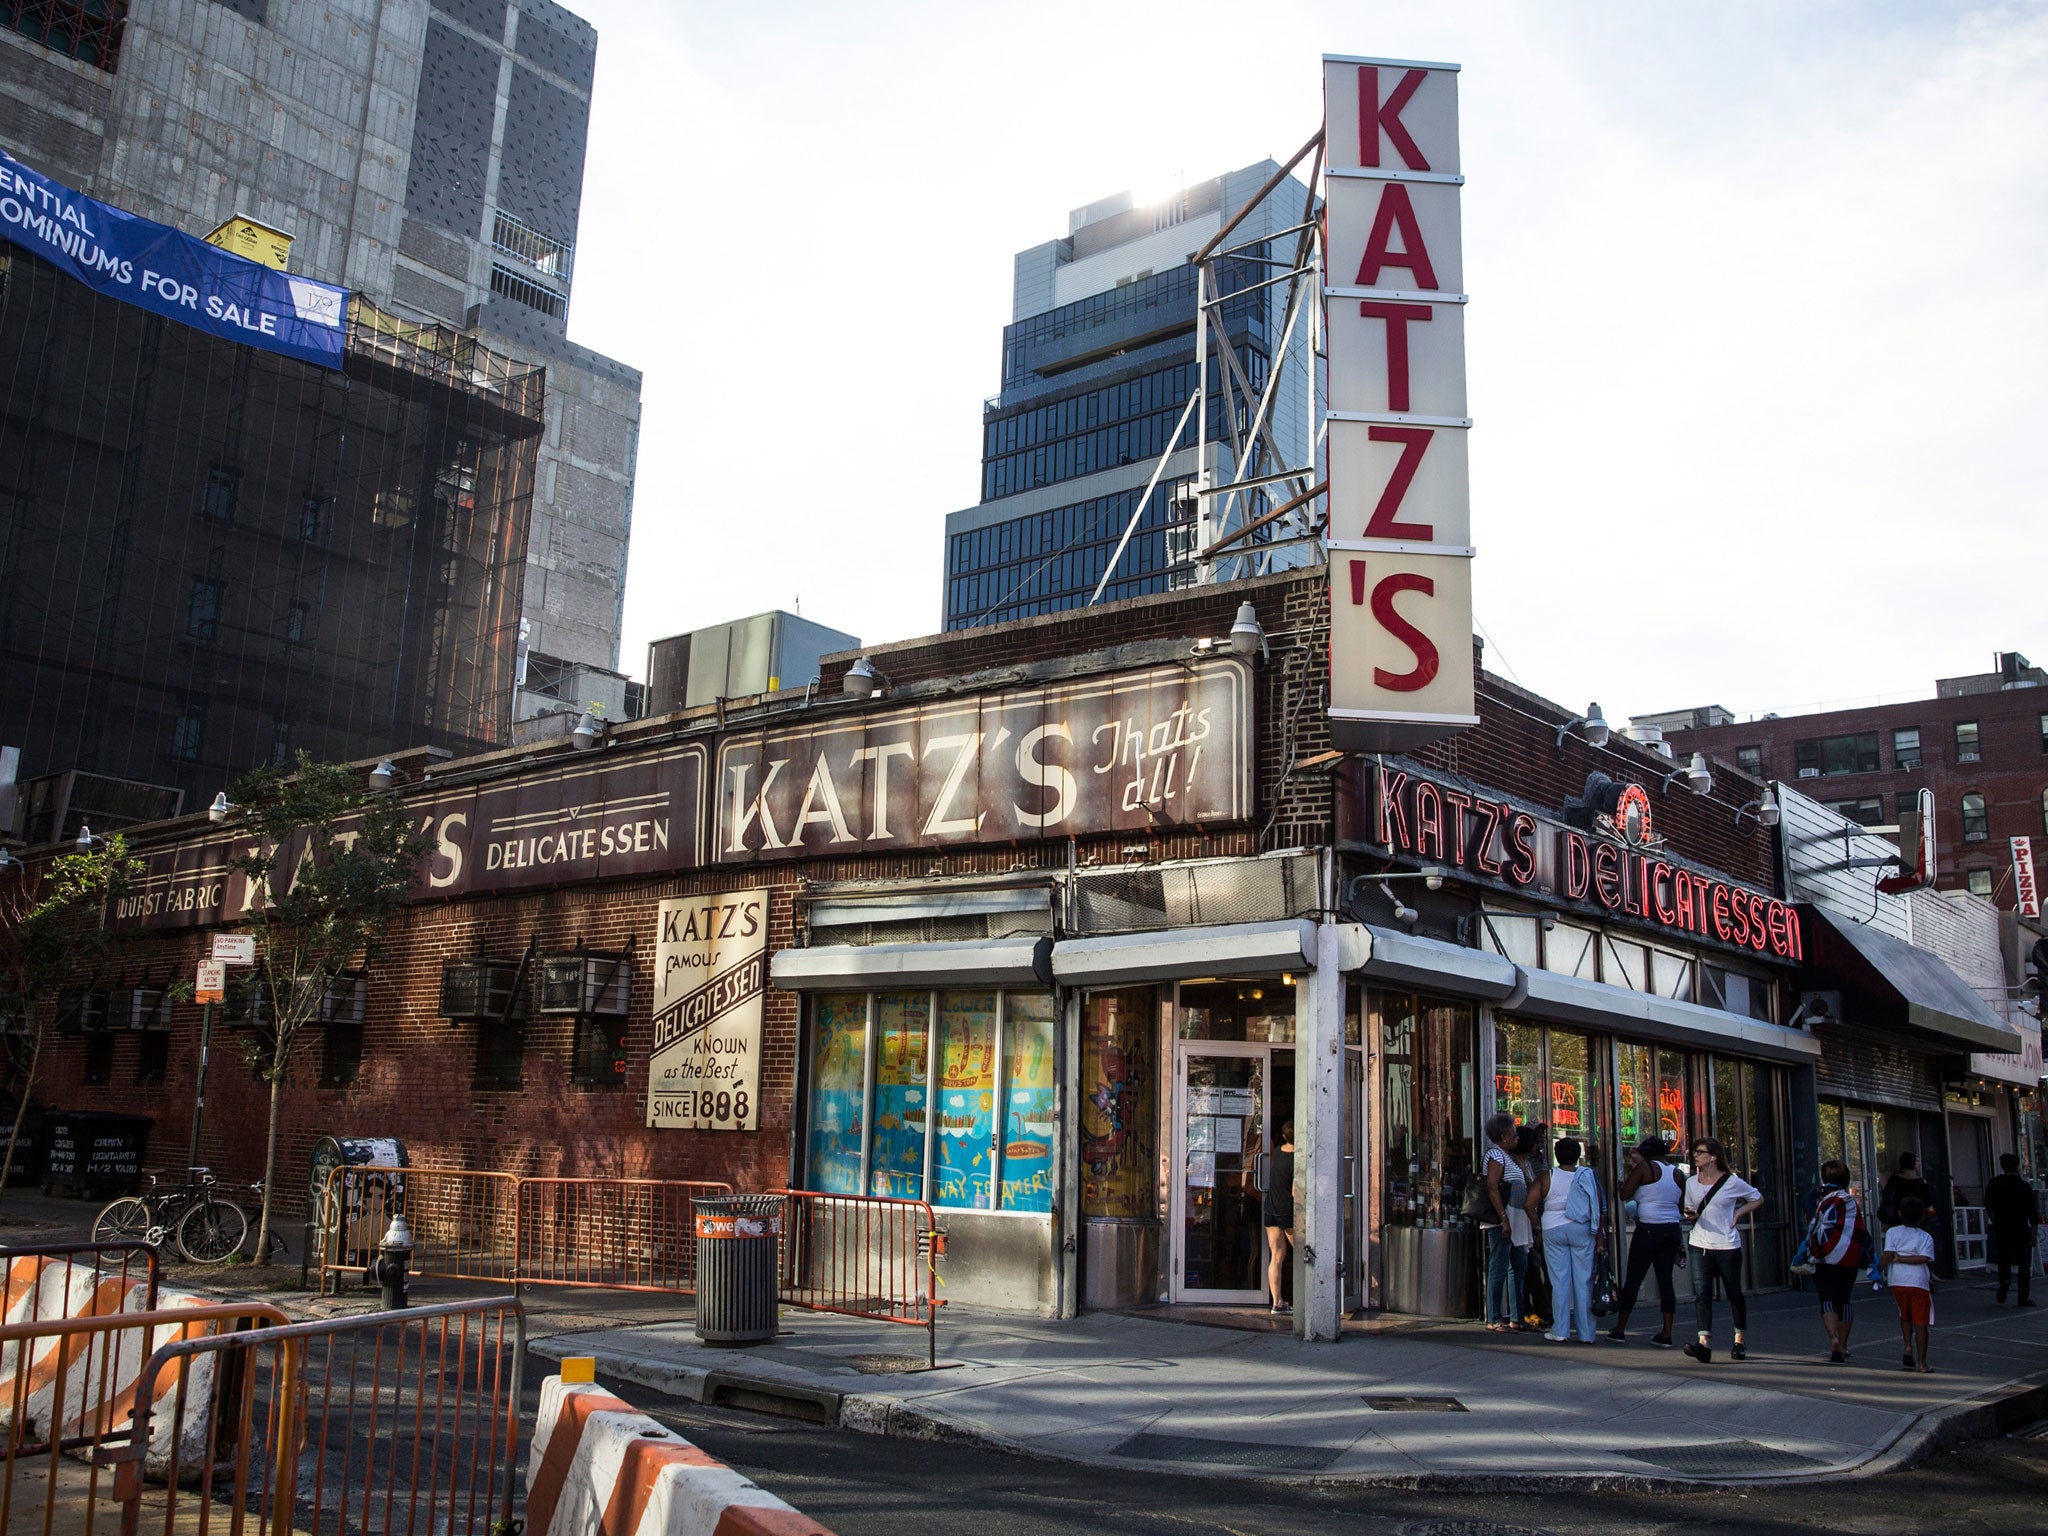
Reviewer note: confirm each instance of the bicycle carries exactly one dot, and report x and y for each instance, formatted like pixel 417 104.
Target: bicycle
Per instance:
pixel 203 1226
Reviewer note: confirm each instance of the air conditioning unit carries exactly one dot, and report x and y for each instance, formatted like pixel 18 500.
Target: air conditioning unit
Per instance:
pixel 593 985
pixel 79 1011
pixel 13 1014
pixel 342 1002
pixel 1969 757
pixel 1809 773
pixel 482 990
pixel 138 1008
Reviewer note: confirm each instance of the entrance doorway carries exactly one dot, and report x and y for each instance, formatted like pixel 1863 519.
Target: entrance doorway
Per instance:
pixel 1233 1089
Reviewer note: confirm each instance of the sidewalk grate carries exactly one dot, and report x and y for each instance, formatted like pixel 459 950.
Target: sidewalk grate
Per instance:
pixel 1723 1456
pixel 1146 1446
pixel 1387 1403
pixel 2031 1432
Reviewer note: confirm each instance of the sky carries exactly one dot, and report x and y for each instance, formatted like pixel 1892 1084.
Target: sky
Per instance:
pixel 1757 343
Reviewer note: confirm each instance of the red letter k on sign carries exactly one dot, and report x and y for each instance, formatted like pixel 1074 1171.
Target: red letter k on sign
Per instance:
pixel 1376 117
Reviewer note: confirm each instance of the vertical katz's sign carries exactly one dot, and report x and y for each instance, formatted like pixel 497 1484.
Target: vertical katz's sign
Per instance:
pixel 1400 502
pixel 710 973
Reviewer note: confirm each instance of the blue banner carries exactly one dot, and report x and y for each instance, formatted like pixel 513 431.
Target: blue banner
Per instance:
pixel 170 272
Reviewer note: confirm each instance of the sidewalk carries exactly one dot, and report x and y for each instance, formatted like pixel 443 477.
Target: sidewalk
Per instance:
pixel 1136 1389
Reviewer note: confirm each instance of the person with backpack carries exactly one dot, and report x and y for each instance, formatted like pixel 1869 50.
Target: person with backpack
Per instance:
pixel 1569 1198
pixel 1655 1186
pixel 1836 1244
pixel 1715 1202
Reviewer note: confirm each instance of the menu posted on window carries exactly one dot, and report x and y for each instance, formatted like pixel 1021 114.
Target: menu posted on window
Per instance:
pixel 710 976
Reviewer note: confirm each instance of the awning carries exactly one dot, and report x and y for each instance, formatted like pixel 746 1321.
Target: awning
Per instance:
pixel 1452 970
pixel 1170 954
pixel 977 963
pixel 1559 999
pixel 1901 986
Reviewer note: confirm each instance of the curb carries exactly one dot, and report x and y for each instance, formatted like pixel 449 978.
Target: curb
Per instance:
pixel 793 1393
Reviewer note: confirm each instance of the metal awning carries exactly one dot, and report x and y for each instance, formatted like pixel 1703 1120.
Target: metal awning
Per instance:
pixel 1559 999
pixel 1434 965
pixel 1170 954
pixel 864 967
pixel 1902 986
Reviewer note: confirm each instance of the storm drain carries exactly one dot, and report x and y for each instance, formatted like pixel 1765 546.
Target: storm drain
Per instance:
pixel 2031 1432
pixel 1146 1446
pixel 1470 1528
pixel 1387 1403
pixel 886 1365
pixel 1723 1457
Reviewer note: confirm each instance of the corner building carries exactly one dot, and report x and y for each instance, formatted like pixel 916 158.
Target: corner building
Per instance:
pixel 1063 925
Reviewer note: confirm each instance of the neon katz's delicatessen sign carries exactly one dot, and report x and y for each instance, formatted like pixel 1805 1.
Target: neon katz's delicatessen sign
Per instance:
pixel 1615 863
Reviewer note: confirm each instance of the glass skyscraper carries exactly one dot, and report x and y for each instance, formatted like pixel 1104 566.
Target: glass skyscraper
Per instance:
pixel 1098 365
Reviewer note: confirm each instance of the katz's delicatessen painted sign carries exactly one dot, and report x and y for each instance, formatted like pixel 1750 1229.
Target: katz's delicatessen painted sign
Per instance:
pixel 710 975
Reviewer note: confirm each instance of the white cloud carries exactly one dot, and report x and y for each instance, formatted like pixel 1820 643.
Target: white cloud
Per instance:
pixel 1758 313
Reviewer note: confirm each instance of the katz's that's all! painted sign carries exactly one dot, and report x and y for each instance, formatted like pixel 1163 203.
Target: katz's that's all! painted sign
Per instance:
pixel 710 977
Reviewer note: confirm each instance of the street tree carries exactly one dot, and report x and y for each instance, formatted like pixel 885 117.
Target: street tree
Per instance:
pixel 328 862
pixel 53 936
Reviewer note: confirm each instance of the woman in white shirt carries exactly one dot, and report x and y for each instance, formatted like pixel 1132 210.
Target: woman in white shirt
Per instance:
pixel 1716 1200
pixel 1569 1199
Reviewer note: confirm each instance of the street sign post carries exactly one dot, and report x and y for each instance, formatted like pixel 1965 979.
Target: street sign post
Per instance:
pixel 235 948
pixel 213 982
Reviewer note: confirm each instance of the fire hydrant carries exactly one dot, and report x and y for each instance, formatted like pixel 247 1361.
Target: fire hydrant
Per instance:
pixel 394 1257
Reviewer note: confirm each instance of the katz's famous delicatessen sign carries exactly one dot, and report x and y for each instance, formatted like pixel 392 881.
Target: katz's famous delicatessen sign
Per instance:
pixel 1615 864
pixel 710 975
pixel 1165 746
pixel 1400 530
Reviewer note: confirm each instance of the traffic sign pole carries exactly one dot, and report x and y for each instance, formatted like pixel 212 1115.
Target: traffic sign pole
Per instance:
pixel 199 1090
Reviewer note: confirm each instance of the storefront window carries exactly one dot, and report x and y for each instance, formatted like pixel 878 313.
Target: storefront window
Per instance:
pixel 1674 1118
pixel 971 1136
pixel 839 1027
pixel 1578 1106
pixel 1260 1010
pixel 1119 1105
pixel 963 1162
pixel 1429 1115
pixel 902 1050
pixel 1518 1071
pixel 1027 1102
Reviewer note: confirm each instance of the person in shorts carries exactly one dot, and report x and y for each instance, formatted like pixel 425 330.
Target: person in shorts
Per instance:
pixel 1909 1272
pixel 1837 1243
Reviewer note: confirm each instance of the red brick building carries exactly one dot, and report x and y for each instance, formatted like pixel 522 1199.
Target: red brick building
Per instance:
pixel 1980 744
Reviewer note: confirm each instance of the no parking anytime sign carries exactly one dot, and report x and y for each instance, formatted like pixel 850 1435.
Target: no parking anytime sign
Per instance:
pixel 710 975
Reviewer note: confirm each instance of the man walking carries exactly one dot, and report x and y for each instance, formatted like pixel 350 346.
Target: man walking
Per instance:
pixel 2015 1218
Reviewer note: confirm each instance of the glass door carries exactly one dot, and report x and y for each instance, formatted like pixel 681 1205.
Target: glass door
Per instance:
pixel 1352 1192
pixel 1223 1157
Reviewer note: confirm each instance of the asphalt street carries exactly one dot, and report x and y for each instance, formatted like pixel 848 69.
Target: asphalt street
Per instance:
pixel 860 1485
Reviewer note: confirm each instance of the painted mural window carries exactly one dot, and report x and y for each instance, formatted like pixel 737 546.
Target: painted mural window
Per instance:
pixel 839 1029
pixel 1119 1105
pixel 881 1123
pixel 902 1052
pixel 963 1162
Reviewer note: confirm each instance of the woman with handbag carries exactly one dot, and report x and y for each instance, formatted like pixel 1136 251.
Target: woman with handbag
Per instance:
pixel 1655 1186
pixel 1570 1201
pixel 1715 1202
pixel 1502 1191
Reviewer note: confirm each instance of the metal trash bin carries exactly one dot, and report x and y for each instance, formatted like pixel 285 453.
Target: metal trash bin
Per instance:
pixel 739 1239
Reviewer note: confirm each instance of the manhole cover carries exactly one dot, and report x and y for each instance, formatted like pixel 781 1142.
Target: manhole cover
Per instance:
pixel 1388 1403
pixel 1470 1528
pixel 1723 1456
pixel 886 1365
pixel 1146 1446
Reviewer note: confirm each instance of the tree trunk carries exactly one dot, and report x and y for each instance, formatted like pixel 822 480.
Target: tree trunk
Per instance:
pixel 28 1084
pixel 270 1165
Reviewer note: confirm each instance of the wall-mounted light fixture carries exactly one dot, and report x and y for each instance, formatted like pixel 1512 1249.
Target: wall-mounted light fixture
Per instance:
pixel 1247 634
pixel 589 731
pixel 384 775
pixel 1698 778
pixel 1765 810
pixel 862 680
pixel 1597 730
pixel 221 809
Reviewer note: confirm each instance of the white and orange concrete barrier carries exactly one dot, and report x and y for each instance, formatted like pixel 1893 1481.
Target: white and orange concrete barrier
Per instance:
pixel 599 1467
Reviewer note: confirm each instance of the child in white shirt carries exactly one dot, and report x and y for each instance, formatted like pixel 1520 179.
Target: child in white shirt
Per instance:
pixel 1908 1270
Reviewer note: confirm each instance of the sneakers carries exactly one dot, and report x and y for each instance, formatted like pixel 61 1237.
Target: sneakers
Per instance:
pixel 1836 1357
pixel 1617 1335
pixel 2028 1301
pixel 1700 1352
pixel 1283 1310
pixel 1908 1363
pixel 1661 1340
pixel 1739 1352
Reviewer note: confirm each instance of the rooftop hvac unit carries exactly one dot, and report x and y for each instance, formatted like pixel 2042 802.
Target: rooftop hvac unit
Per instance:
pixel 588 983
pixel 483 990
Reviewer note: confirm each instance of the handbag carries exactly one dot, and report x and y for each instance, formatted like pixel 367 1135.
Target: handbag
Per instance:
pixel 1605 1303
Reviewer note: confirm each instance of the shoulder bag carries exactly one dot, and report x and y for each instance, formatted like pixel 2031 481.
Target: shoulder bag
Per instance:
pixel 1691 1218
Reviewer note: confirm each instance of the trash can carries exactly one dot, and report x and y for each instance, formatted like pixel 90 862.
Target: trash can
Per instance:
pixel 738 1242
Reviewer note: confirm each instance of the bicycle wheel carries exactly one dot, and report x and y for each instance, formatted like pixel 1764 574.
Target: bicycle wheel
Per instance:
pixel 126 1220
pixel 212 1231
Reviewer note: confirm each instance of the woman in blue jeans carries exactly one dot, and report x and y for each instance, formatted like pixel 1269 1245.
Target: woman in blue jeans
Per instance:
pixel 1507 1190
pixel 1571 1205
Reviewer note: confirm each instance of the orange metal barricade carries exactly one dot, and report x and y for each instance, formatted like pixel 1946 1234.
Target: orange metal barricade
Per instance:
pixel 392 1422
pixel 464 1223
pixel 863 1256
pixel 621 1234
pixel 76 1395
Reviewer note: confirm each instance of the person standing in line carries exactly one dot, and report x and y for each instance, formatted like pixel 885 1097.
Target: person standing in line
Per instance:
pixel 1507 1187
pixel 1276 1212
pixel 1655 1186
pixel 1836 1243
pixel 1909 1271
pixel 2015 1218
pixel 1569 1197
pixel 1715 1202
pixel 1904 1183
